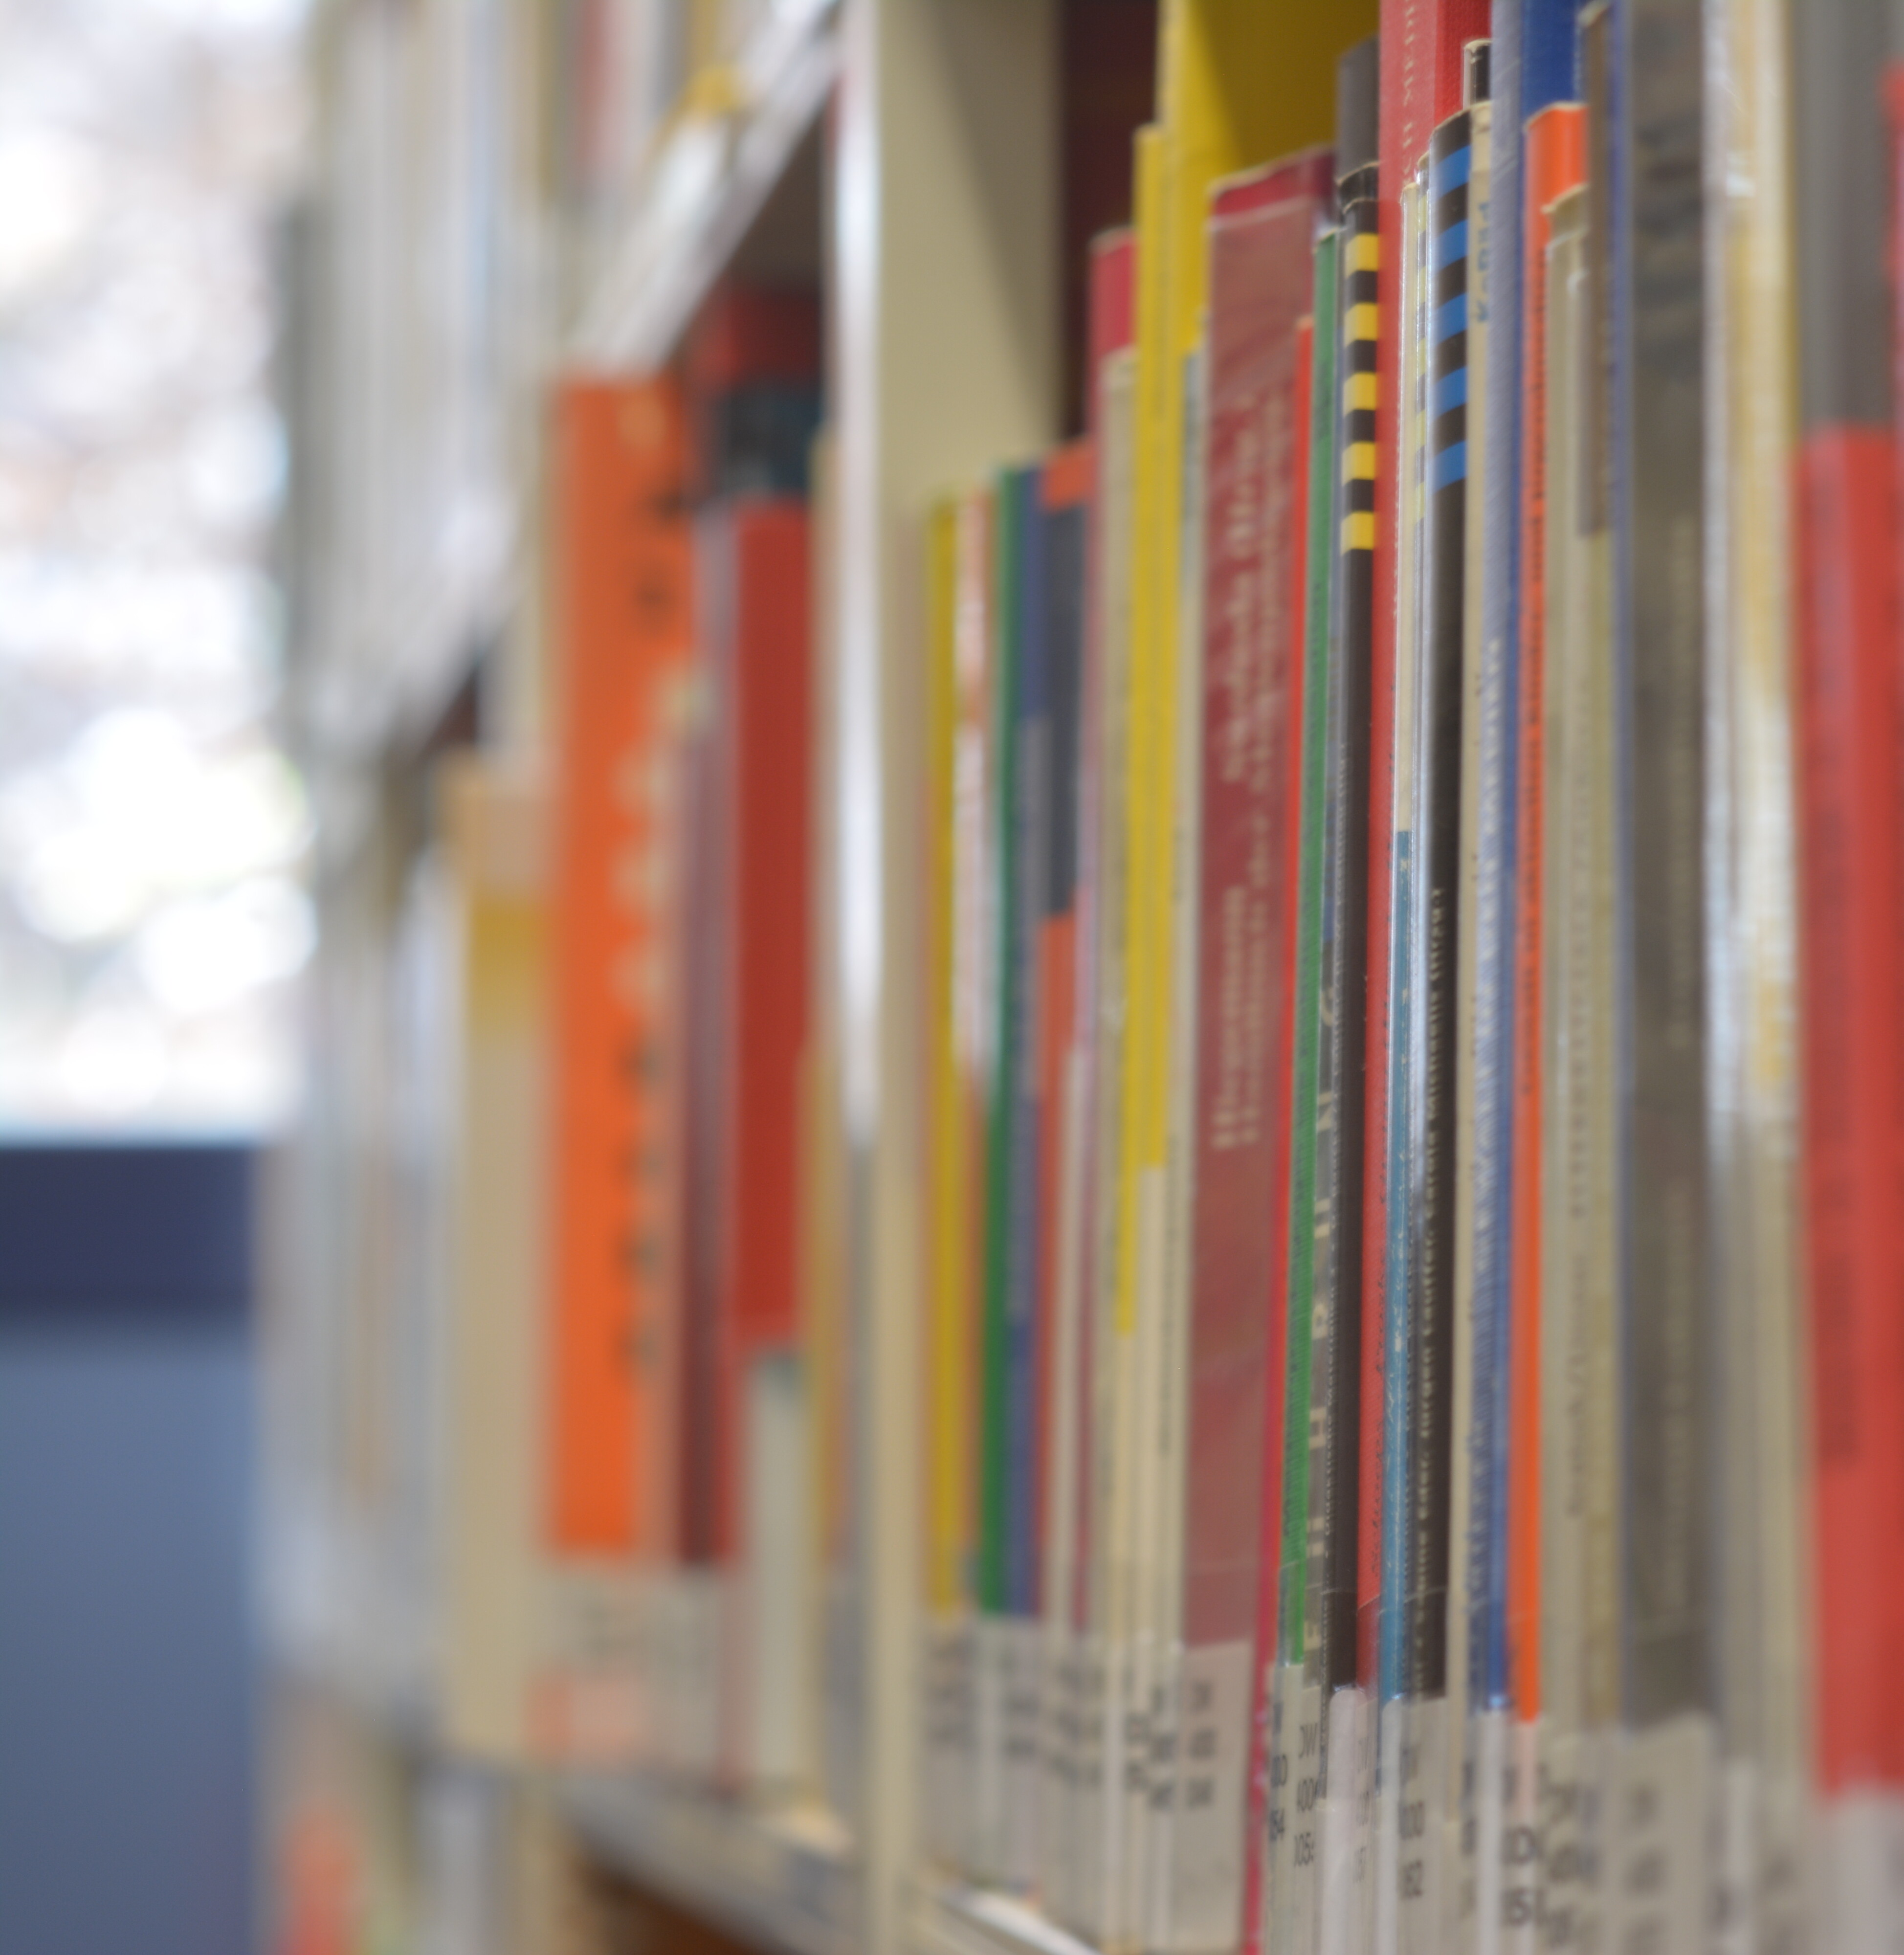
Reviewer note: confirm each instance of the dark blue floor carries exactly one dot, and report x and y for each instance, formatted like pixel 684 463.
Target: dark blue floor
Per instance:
pixel 128 1677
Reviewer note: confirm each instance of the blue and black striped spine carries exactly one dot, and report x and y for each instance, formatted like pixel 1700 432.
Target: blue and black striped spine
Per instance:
pixel 1438 898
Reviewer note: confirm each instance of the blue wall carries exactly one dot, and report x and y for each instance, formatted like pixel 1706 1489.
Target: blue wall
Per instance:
pixel 128 1671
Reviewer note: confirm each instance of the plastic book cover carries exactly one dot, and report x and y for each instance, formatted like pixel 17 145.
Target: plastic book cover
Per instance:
pixel 1103 1602
pixel 1006 1792
pixel 1765 1616
pixel 1421 84
pixel 1473 1772
pixel 1064 499
pixel 1399 1056
pixel 1261 228
pixel 1578 1060
pixel 1669 1351
pixel 950 1276
pixel 1553 165
pixel 1076 1889
pixel 1238 86
pixel 1850 878
pixel 1166 1367
pixel 1439 645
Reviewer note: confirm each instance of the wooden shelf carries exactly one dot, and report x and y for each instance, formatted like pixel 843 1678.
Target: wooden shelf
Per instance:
pixel 781 1878
pixel 952 1920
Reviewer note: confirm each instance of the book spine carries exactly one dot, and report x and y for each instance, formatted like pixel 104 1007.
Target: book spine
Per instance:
pixel 1554 161
pixel 1660 517
pixel 1496 623
pixel 1028 855
pixel 1250 678
pixel 1568 1059
pixel 1669 1430
pixel 1850 726
pixel 1065 498
pixel 1109 1617
pixel 1474 1768
pixel 1359 390
pixel 1401 1058
pixel 1431 1113
pixel 1311 1293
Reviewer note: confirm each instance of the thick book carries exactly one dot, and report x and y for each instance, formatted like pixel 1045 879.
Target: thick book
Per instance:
pixel 751 563
pixel 494 828
pixel 620 453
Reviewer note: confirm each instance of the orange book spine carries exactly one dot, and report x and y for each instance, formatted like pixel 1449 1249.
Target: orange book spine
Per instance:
pixel 621 624
pixel 1556 162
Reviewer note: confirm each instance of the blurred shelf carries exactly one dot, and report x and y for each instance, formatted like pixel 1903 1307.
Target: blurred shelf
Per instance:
pixel 710 179
pixel 782 1879
pixel 953 1919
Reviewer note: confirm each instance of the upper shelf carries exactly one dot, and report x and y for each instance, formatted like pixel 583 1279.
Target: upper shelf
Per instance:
pixel 707 184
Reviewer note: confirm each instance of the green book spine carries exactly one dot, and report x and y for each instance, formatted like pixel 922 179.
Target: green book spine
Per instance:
pixel 1298 1430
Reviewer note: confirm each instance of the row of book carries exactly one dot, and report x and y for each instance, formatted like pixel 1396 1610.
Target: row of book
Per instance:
pixel 1411 1248
pixel 1413 1317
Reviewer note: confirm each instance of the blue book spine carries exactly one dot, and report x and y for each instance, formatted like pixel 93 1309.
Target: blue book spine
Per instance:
pixel 1401 1155
pixel 1030 857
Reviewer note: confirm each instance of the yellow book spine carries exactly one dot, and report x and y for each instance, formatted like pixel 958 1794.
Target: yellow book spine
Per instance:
pixel 947 1381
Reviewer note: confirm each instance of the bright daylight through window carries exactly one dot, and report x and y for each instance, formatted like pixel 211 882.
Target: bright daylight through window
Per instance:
pixel 152 921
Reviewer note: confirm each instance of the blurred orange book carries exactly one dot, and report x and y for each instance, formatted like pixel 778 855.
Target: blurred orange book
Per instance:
pixel 622 633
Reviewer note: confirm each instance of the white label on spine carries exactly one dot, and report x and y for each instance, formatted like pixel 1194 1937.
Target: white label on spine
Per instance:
pixel 1736 1873
pixel 1520 1843
pixel 1484 1829
pixel 1133 1863
pixel 1206 1867
pixel 988 1788
pixel 1423 1824
pixel 1296 1870
pixel 1386 1901
pixel 1348 1779
pixel 1861 1875
pixel 1058 1767
pixel 1659 1888
pixel 1086 1913
pixel 1785 1814
pixel 1563 1868
pixel 1022 1641
pixel 1108 1922
pixel 1165 1679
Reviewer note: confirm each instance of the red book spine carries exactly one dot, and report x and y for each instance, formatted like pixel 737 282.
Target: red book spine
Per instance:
pixel 1262 230
pixel 1851 743
pixel 1555 162
pixel 763 685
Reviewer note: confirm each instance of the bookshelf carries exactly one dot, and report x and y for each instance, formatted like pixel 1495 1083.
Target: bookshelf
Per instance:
pixel 789 349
